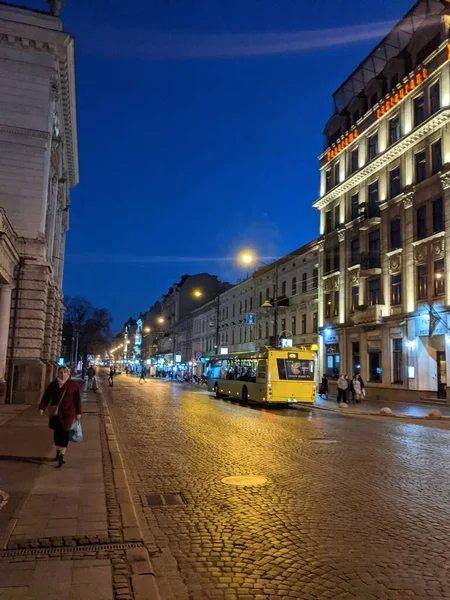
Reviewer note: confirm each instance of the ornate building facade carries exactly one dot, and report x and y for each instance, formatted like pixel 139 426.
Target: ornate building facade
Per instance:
pixel 38 167
pixel 384 292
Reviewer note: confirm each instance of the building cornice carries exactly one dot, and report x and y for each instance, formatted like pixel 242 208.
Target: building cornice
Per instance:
pixel 403 145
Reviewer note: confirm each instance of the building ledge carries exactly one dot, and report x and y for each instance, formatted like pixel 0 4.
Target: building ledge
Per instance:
pixel 435 236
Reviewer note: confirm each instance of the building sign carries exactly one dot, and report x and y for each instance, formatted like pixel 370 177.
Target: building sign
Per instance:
pixel 224 351
pixel 177 358
pixel 423 326
pixel 398 96
pixel 342 145
pixel 332 348
pixel 250 319
pixel 286 343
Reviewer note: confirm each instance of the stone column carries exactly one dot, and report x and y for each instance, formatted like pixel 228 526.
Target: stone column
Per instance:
pixel 342 276
pixel 409 276
pixel 5 315
pixel 445 180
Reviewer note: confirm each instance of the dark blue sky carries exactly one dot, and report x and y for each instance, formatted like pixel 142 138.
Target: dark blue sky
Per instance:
pixel 194 140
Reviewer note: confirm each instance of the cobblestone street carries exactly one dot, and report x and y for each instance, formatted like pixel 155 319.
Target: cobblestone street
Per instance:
pixel 352 507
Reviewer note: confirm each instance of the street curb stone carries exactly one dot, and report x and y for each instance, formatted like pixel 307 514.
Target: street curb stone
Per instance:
pixel 140 583
pixel 355 413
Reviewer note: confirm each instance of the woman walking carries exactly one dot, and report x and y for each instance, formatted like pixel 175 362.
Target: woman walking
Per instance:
pixel 62 397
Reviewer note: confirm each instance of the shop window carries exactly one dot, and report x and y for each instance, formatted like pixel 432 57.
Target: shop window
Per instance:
pixel 439 277
pixel 438 215
pixel 396 289
pixel 421 222
pixel 333 361
pixel 374 291
pixel 395 186
pixel 355 298
pixel 421 166
pixel 422 282
pixel 356 361
pixel 375 370
pixel 435 99
pixel 397 361
pixel 419 110
pixel 436 157
pixel 336 304
pixel 354 202
pixel 394 130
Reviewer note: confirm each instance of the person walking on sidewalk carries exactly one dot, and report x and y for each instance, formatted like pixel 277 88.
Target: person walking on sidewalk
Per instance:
pixel 357 388
pixel 362 387
pixel 323 391
pixel 62 398
pixel 111 377
pixel 342 386
pixel 142 377
pixel 91 375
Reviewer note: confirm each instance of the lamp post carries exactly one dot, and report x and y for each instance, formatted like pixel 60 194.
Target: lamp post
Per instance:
pixel 247 257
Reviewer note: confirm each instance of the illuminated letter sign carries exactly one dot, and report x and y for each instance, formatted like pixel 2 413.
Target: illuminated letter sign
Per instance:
pixel 342 144
pixel 395 97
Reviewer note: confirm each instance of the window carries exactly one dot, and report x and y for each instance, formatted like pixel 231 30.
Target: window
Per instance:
pixel 395 186
pixel 439 277
pixel 394 80
pixel 374 291
pixel 260 299
pixel 251 303
pixel 394 130
pixel 336 258
pixel 303 324
pixel 327 306
pixel 315 279
pixel 355 117
pixel 354 202
pixel 354 252
pixel 375 369
pixel 435 100
pixel 328 180
pixel 396 289
pixel 421 166
pixel 419 110
pixel 327 261
pixel 436 157
pixel 328 221
pixel 304 282
pixel 372 146
pixel 374 249
pixel 294 286
pixel 422 282
pixel 395 234
pixel 354 160
pixel 259 331
pixel 421 222
pixel 355 298
pixel 336 304
pixel 374 209
pixel 294 325
pixel 283 288
pixel 267 294
pixel 355 357
pixel 314 323
pixel 438 215
pixel 234 310
pixel 240 307
pixel 336 216
pixel 373 99
pixel 267 330
pixel 397 361
pixel 336 173
pixel 245 305
pixel 283 325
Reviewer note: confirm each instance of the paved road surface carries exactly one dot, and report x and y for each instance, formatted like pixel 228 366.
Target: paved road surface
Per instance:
pixel 353 508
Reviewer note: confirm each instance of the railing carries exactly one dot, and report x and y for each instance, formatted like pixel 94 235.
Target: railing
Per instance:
pixel 372 315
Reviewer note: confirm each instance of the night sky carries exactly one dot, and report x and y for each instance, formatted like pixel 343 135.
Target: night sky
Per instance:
pixel 200 123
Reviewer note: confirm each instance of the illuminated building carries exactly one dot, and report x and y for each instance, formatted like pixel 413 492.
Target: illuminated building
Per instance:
pixel 38 168
pixel 385 214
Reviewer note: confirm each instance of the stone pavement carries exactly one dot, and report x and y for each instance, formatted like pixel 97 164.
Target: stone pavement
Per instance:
pixel 402 409
pixel 62 534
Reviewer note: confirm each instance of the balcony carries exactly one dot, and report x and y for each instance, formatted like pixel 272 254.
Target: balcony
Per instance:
pixel 370 264
pixel 372 315
pixel 369 213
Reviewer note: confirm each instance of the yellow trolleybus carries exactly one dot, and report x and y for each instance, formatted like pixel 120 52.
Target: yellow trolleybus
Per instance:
pixel 271 375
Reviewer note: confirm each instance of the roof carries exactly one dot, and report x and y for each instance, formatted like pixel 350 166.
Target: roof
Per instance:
pixel 284 259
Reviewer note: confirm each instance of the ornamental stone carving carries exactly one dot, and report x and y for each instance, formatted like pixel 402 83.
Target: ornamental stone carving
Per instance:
pixel 331 284
pixel 432 249
pixel 436 248
pixel 341 235
pixel 408 200
pixel 421 253
pixel 354 276
pixel 321 244
pixel 395 263
pixel 445 180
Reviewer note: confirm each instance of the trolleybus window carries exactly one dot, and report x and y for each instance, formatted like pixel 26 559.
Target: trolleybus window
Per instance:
pixel 300 370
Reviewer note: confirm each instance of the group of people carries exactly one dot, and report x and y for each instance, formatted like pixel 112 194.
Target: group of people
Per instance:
pixel 347 388
pixel 92 379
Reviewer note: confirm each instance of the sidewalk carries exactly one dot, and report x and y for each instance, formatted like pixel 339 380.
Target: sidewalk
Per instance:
pixel 373 407
pixel 70 533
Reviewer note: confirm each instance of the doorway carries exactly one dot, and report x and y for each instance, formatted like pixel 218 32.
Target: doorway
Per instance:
pixel 441 375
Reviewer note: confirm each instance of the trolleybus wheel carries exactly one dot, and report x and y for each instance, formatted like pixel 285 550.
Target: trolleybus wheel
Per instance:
pixel 245 395
pixel 216 390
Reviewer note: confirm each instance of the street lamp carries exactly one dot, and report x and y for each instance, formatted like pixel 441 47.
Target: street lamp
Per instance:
pixel 247 257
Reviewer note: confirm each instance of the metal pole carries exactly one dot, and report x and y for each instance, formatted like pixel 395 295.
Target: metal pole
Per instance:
pixel 275 308
pixel 173 355
pixel 77 339
pixel 217 323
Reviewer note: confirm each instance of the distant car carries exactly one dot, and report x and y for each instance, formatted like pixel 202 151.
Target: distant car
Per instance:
pixel 118 372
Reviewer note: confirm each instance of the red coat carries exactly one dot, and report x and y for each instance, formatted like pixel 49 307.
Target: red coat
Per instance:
pixel 70 405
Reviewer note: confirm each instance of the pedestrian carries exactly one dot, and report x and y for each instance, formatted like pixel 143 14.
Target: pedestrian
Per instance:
pixel 142 377
pixel 62 398
pixel 357 389
pixel 83 372
pixel 342 386
pixel 111 377
pixel 323 391
pixel 91 375
pixel 362 386
pixel 350 390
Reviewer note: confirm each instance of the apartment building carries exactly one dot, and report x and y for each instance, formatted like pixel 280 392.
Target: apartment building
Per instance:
pixel 385 214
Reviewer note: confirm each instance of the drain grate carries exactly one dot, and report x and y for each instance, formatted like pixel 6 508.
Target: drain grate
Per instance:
pixel 166 499
pixel 70 550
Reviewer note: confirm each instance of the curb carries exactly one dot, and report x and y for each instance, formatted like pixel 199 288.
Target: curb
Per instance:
pixel 143 579
pixel 353 413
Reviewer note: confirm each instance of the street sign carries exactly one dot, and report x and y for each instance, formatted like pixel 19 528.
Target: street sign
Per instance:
pixel 250 318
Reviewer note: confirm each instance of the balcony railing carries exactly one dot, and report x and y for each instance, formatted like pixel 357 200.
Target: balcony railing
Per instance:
pixel 372 315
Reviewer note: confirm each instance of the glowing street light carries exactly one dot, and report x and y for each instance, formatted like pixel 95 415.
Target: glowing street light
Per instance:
pixel 197 293
pixel 246 257
pixel 161 320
